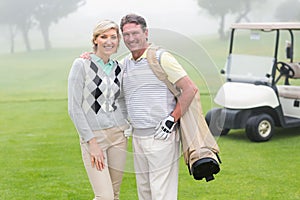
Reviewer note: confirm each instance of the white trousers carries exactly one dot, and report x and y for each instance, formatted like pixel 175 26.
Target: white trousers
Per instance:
pixel 156 167
pixel 106 183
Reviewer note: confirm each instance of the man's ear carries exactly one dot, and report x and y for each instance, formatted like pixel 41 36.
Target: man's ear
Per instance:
pixel 146 33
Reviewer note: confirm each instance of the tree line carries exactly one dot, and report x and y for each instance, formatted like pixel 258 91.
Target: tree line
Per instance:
pixel 24 15
pixel 21 16
pixel 287 10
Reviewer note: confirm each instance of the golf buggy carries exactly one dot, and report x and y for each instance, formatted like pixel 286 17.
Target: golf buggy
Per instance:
pixel 260 90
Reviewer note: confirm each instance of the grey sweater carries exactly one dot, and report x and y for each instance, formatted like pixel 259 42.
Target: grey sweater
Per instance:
pixel 95 100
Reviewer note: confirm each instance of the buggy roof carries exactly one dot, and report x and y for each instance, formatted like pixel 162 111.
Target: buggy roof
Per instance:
pixel 267 26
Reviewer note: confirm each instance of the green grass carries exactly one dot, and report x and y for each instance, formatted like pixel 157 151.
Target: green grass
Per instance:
pixel 40 156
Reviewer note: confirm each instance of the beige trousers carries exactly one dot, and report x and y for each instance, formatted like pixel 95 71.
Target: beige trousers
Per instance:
pixel 156 167
pixel 106 183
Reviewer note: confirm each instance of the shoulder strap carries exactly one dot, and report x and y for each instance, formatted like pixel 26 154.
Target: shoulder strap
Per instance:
pixel 158 70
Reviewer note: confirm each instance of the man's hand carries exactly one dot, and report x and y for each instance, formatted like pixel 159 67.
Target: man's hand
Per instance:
pixel 164 128
pixel 86 55
pixel 128 132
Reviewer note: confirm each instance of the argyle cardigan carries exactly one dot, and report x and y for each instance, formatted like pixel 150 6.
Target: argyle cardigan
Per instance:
pixel 94 98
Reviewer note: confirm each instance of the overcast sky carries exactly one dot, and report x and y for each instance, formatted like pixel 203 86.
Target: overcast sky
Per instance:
pixel 176 15
pixel 182 16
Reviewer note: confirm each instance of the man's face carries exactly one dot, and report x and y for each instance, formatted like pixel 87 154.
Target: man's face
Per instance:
pixel 134 37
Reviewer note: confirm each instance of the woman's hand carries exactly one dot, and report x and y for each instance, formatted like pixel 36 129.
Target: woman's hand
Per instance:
pixel 96 153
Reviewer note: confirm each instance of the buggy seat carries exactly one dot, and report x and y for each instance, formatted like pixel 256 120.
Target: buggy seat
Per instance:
pixel 291 91
pixel 296 68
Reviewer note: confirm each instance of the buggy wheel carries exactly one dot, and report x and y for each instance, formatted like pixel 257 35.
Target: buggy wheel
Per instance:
pixel 215 121
pixel 260 128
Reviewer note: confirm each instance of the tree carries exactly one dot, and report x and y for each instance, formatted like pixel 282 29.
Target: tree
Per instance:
pixel 288 11
pixel 17 15
pixel 22 15
pixel 48 12
pixel 12 34
pixel 243 14
pixel 221 9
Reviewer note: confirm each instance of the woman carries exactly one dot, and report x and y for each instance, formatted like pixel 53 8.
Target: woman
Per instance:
pixel 98 112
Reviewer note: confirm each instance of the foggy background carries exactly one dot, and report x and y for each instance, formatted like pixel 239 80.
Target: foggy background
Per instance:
pixel 186 17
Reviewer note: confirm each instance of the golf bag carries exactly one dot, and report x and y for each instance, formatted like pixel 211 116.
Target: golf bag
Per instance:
pixel 200 149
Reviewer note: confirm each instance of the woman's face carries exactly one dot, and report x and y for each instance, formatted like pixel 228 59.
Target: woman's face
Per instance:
pixel 107 42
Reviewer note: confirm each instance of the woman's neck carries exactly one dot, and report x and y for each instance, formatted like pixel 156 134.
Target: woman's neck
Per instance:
pixel 105 58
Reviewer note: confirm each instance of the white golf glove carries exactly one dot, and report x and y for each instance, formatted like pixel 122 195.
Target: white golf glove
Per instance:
pixel 128 132
pixel 164 128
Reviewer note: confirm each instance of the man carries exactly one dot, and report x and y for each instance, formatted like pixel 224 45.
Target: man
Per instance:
pixel 153 113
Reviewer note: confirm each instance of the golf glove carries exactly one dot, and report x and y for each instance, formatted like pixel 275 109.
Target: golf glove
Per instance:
pixel 164 128
pixel 128 132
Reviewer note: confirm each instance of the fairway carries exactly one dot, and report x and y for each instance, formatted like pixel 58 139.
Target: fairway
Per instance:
pixel 40 156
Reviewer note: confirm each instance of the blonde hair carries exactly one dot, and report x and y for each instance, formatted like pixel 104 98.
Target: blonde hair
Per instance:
pixel 103 26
